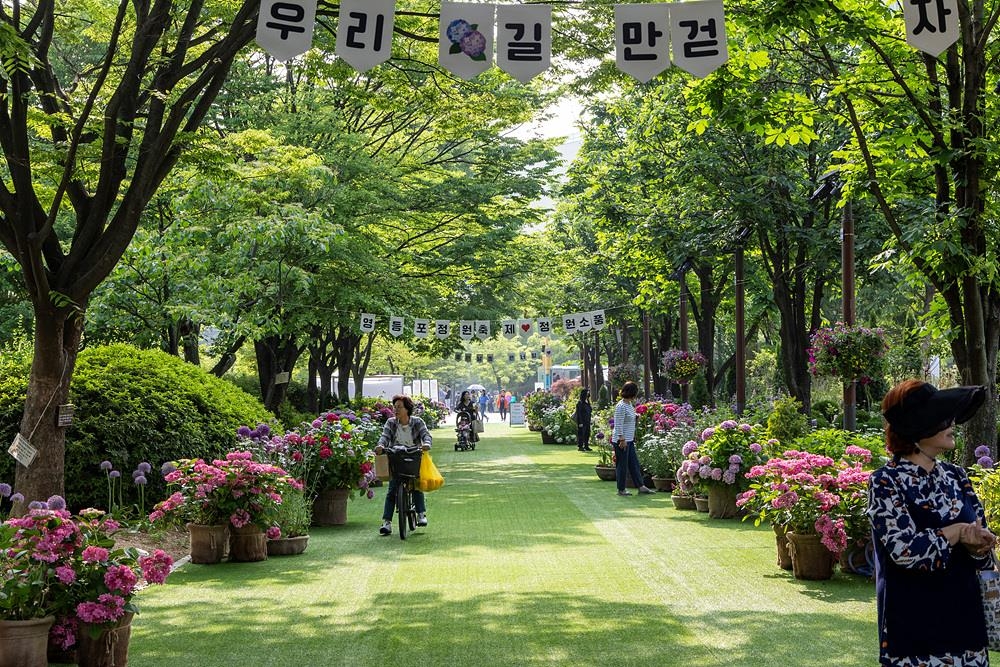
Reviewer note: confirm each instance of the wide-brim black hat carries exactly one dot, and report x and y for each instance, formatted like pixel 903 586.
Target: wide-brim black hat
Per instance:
pixel 928 410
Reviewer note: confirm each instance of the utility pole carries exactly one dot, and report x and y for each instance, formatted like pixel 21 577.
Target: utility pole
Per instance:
pixel 847 259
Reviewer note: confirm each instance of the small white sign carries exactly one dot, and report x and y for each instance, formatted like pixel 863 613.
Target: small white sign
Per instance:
pixel 281 378
pixel 698 36
pixel 285 27
pixel 364 33
pixel 524 40
pixel 931 26
pixel 22 450
pixel 517 414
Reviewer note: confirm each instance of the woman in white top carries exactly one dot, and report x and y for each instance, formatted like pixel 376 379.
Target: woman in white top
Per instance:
pixel 626 459
pixel 402 429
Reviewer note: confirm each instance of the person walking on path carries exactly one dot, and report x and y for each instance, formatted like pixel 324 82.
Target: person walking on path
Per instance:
pixel 408 431
pixel 582 415
pixel 626 458
pixel 929 533
pixel 502 405
pixel 465 403
pixel 483 403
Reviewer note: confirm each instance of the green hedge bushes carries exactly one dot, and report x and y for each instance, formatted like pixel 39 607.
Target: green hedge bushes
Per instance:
pixel 133 406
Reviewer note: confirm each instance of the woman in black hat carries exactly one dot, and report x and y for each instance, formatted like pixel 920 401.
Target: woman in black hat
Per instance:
pixel 929 532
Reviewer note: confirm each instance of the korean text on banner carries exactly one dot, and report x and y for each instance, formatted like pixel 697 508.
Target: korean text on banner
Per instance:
pixel 285 27
pixel 364 33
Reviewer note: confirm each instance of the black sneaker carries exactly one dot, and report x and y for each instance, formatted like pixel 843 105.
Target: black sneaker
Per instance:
pixel 386 528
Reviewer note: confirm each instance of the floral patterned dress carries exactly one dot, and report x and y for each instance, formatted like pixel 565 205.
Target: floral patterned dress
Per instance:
pixel 930 611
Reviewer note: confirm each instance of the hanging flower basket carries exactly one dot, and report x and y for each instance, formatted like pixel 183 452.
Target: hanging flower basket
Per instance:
pixel 682 366
pixel 849 353
pixel 622 373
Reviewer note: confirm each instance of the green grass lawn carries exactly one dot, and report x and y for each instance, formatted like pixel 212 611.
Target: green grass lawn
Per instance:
pixel 529 559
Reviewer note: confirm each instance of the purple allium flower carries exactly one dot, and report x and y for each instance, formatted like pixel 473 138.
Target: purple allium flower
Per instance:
pixel 114 474
pixel 473 44
pixel 136 473
pixel 4 489
pixel 106 465
pixel 56 503
pixel 140 480
pixel 243 431
pixel 264 430
pixel 981 451
pixel 167 468
pixel 36 505
pixel 17 498
pixel 458 29
pixel 985 461
pixel 145 467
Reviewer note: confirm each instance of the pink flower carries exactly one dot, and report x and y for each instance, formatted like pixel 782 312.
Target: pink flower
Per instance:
pixel 121 579
pixel 240 518
pixel 65 574
pixel 94 554
pixel 273 533
pixel 155 568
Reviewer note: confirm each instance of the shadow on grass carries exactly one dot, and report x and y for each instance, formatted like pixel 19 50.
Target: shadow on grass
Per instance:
pixel 506 628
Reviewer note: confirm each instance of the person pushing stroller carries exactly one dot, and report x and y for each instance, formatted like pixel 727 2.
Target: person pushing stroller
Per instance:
pixel 464 434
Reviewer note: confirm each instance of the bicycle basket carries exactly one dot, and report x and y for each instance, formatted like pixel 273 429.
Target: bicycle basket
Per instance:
pixel 404 464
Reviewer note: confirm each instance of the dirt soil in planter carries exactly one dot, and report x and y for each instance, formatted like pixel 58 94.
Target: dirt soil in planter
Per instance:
pixel 173 540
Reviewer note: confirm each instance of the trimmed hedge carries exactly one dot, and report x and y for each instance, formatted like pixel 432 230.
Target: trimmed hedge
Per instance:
pixel 132 406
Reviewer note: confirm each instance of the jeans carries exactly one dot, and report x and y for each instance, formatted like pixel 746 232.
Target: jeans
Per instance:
pixel 390 500
pixel 627 462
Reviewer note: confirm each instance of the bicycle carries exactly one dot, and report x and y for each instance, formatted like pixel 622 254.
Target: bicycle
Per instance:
pixel 404 466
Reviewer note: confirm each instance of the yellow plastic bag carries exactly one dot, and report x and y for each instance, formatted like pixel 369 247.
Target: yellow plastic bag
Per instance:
pixel 430 477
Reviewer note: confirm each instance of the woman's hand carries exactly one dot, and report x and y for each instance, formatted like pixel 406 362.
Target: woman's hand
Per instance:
pixel 379 449
pixel 978 540
pixel 621 444
pixel 425 447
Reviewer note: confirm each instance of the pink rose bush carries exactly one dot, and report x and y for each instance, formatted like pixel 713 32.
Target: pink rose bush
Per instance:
pixel 812 494
pixel 55 563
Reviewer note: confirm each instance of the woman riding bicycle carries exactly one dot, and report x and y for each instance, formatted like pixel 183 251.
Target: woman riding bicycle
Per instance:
pixel 408 431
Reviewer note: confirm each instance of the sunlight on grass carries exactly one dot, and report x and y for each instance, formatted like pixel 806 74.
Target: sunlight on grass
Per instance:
pixel 529 559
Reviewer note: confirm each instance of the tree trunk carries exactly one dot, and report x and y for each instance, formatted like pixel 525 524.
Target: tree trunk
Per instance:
pixel 275 354
pixel 57 341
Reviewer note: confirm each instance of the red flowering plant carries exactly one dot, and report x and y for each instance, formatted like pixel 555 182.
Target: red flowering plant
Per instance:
pixel 812 494
pixel 55 563
pixel 335 450
pixel 237 490
pixel 658 417
pixel 848 352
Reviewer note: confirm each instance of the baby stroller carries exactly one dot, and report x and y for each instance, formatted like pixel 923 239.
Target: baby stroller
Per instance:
pixel 463 431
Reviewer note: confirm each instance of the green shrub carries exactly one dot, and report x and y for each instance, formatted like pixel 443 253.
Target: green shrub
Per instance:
pixel 832 442
pixel 825 411
pixel 294 514
pixel 535 405
pixel 136 406
pixel 699 397
pixel 786 422
pixel 603 396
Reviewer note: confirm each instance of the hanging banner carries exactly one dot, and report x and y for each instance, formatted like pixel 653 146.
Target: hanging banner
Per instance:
pixel 931 26
pixel 583 323
pixel 285 27
pixel 482 329
pixel 524 327
pixel 524 40
pixel 509 328
pixel 642 45
pixel 364 32
pixel 396 326
pixel 421 328
pixel 465 42
pixel 510 357
pixel 597 320
pixel 466 329
pixel 569 323
pixel 544 326
pixel 367 323
pixel 698 36
pixel 442 329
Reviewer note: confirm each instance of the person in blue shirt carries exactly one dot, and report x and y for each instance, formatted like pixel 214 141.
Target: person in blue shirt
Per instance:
pixel 483 402
pixel 929 533
pixel 626 458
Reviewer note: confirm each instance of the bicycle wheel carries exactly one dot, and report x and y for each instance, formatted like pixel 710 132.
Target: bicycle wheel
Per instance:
pixel 402 508
pixel 412 514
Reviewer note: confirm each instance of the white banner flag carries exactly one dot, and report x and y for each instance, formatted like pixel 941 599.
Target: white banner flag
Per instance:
pixel 396 326
pixel 509 328
pixel 421 328
pixel 931 26
pixel 642 43
pixel 466 329
pixel 569 323
pixel 524 327
pixel 544 325
pixel 367 323
pixel 442 328
pixel 698 36
pixel 482 329
pixel 364 32
pixel 285 27
pixel 465 41
pixel 524 40
pixel 583 322
pixel 597 320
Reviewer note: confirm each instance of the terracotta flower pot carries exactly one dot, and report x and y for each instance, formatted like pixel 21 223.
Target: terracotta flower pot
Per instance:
pixel 247 544
pixel 605 473
pixel 810 559
pixel 701 503
pixel 209 544
pixel 109 648
pixel 287 546
pixel 663 483
pixel 683 501
pixel 330 507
